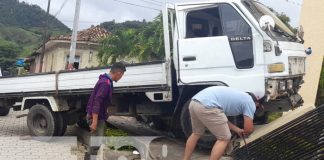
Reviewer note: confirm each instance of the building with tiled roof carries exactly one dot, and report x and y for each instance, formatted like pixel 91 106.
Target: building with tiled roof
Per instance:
pixel 93 34
pixel 57 51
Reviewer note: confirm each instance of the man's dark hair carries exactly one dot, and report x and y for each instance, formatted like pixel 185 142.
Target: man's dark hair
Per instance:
pixel 252 96
pixel 118 66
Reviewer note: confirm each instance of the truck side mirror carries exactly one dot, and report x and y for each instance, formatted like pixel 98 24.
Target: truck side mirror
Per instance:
pixel 266 23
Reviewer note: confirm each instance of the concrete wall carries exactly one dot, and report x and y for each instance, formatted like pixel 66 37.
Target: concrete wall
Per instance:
pixel 88 61
pixel 35 65
pixel 312 20
pixel 51 58
pixel 56 58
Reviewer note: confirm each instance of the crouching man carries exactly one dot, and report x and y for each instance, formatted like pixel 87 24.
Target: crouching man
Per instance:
pixel 209 109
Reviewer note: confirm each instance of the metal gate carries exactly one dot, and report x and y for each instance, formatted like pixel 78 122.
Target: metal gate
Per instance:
pixel 300 139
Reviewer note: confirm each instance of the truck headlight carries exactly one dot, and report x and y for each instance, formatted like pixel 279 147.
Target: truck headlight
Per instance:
pixel 276 67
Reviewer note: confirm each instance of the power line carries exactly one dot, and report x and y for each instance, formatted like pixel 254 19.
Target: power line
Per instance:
pixel 113 0
pixel 157 1
pixel 151 2
pixel 59 11
pixel 64 20
pixel 85 22
pixel 80 21
pixel 136 5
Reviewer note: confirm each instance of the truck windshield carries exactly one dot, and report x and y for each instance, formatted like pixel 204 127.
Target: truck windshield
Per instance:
pixel 282 32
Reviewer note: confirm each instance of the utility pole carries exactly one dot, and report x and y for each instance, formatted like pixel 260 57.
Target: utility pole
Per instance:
pixel 74 34
pixel 44 38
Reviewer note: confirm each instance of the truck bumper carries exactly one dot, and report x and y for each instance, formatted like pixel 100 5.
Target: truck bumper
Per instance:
pixel 283 104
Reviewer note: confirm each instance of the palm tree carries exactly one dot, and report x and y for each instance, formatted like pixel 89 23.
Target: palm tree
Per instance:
pixel 150 41
pixel 116 46
pixel 144 44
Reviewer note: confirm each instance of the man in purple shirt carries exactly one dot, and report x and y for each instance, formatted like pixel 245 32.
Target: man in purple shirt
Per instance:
pixel 101 97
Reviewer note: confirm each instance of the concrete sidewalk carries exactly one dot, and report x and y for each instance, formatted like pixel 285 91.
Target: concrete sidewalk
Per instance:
pixel 175 147
pixel 16 144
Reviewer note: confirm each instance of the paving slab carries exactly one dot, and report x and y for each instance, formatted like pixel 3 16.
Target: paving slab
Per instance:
pixel 17 144
pixel 174 147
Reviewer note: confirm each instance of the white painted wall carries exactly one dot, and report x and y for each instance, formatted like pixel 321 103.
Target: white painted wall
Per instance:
pixel 313 23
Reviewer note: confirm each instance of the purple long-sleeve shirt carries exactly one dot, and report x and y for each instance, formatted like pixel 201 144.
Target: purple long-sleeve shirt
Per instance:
pixel 101 97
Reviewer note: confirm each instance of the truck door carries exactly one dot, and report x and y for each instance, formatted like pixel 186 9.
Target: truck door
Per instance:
pixel 216 43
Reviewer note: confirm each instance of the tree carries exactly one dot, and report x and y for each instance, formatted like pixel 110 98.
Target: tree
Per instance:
pixel 150 41
pixel 22 24
pixel 132 40
pixel 285 19
pixel 113 27
pixel 116 46
pixel 15 13
pixel 8 55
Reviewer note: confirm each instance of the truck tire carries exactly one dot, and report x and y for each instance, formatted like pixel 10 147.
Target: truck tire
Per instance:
pixel 159 123
pixel 4 111
pixel 207 140
pixel 61 124
pixel 41 121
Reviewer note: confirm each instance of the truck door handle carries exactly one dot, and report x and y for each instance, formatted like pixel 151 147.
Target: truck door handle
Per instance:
pixel 189 58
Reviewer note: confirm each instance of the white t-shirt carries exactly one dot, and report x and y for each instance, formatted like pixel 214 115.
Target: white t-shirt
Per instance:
pixel 233 102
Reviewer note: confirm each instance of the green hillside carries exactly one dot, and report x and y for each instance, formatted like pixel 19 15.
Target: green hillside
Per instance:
pixel 22 24
pixel 26 40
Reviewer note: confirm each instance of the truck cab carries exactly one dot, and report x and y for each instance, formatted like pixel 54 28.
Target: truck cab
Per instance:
pixel 225 42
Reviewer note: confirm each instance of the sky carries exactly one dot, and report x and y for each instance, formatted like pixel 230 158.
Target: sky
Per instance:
pixel 94 12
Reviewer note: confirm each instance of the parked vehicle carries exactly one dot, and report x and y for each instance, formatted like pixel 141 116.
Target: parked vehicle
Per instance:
pixel 235 43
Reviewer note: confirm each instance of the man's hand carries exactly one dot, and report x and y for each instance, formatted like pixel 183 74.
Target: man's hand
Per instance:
pixel 236 129
pixel 93 127
pixel 239 132
pixel 94 123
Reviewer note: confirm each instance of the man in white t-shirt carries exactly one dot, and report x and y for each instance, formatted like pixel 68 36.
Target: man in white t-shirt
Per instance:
pixel 209 108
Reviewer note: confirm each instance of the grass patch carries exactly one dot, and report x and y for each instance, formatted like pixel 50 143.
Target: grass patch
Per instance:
pixel 274 115
pixel 110 132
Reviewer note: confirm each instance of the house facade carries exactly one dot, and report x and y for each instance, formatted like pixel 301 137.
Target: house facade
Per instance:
pixel 57 51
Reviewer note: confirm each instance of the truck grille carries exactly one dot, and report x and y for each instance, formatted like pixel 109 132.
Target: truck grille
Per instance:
pixel 296 65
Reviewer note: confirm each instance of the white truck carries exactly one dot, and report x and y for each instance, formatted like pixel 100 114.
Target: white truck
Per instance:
pixel 235 43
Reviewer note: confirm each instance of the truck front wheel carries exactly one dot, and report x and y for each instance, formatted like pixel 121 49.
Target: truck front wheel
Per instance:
pixel 4 111
pixel 41 121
